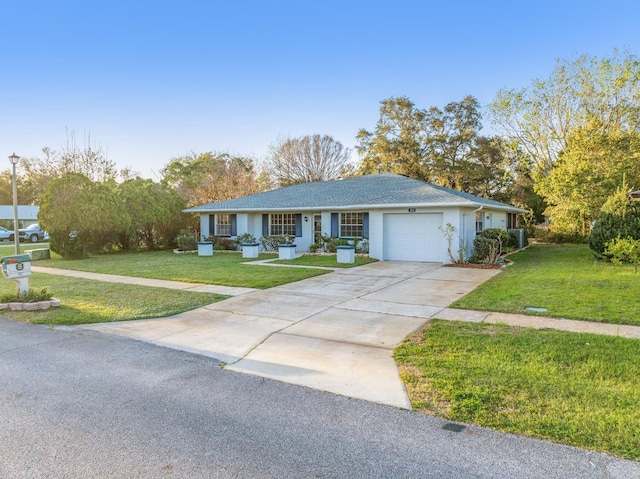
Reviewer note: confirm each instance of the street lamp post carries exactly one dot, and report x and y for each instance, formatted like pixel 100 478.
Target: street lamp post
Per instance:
pixel 14 161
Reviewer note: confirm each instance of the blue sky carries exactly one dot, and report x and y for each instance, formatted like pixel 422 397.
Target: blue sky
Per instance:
pixel 154 80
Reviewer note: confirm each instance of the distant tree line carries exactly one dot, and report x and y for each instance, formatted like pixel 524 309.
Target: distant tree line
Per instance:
pixel 566 143
pixel 563 146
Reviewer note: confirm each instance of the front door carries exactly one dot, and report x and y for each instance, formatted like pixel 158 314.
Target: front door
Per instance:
pixel 317 228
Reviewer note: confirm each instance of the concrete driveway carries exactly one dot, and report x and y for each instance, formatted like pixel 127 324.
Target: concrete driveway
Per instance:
pixel 334 332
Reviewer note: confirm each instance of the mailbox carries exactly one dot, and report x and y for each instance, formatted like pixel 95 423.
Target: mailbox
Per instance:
pixel 14 267
pixel 18 269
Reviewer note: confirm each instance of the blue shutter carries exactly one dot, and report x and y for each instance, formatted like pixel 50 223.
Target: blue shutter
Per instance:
pixel 265 225
pixel 212 225
pixel 234 225
pixel 365 225
pixel 335 225
pixel 298 225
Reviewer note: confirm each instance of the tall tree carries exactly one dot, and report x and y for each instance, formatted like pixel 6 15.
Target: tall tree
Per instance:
pixel 81 216
pixel 441 146
pixel 210 176
pixel 6 190
pixel 307 159
pixel 488 169
pixel 397 145
pixel 586 173
pixel 451 140
pixel 90 161
pixel 602 92
pixel 156 214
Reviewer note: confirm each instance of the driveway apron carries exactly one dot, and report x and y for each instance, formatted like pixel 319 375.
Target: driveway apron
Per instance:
pixel 334 332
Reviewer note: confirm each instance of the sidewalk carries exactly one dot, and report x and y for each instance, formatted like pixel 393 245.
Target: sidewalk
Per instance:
pixel 539 322
pixel 156 283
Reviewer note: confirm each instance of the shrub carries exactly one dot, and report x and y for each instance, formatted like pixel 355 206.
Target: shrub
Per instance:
pixel 448 232
pixel 245 238
pixel 187 240
pixel 270 243
pixel 624 250
pixel 491 243
pixel 563 237
pixel 619 217
pixel 328 244
pixel 362 246
pixel 224 243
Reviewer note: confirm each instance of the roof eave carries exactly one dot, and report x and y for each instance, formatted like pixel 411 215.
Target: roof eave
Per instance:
pixel 465 204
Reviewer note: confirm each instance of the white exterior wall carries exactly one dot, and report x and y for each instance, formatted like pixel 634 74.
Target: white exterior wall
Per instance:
pixel 242 223
pixel 302 243
pixel 204 225
pixel 454 217
pixel 376 235
pixel 326 223
pixel 490 218
pixel 254 225
pixel 462 219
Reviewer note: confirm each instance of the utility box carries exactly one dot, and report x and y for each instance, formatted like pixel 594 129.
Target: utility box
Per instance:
pixel 250 250
pixel 38 254
pixel 205 248
pixel 286 251
pixel 18 269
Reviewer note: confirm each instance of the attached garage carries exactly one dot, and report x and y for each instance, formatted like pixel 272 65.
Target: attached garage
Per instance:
pixel 413 237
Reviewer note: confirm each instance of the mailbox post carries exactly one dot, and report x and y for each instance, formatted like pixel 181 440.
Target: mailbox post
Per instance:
pixel 18 269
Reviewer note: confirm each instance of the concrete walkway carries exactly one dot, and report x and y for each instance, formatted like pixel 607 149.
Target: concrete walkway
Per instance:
pixel 540 322
pixel 156 283
pixel 335 332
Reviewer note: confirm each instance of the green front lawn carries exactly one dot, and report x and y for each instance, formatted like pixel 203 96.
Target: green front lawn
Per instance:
pixel 328 261
pixel 564 279
pixel 225 269
pixel 84 301
pixel 578 389
pixel 8 248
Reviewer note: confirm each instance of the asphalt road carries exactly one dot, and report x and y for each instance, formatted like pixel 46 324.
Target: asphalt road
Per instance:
pixel 79 404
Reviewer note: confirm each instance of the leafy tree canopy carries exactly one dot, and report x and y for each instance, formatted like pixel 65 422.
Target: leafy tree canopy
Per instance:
pixel 441 146
pixel 208 177
pixel 586 173
pixel 156 214
pixel 618 218
pixel 600 93
pixel 81 216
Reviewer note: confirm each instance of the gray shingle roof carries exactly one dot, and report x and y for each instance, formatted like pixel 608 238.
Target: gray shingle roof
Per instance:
pixel 369 191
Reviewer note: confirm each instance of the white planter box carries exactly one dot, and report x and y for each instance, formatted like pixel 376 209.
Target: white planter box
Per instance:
pixel 205 248
pixel 250 250
pixel 286 251
pixel 346 254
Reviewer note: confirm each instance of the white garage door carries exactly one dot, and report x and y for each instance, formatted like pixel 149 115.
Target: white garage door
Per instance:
pixel 413 237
